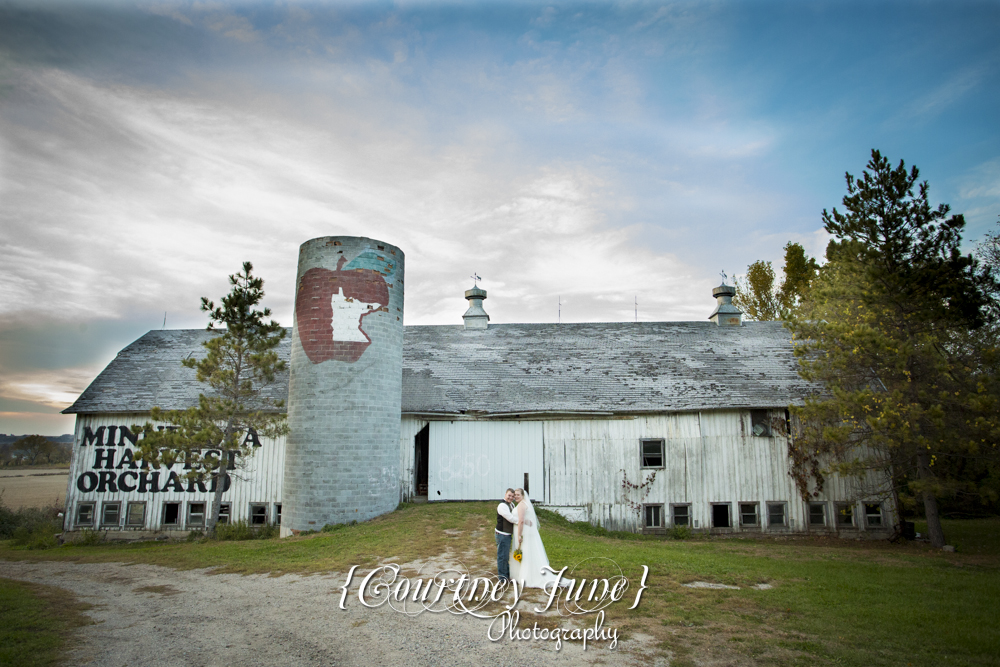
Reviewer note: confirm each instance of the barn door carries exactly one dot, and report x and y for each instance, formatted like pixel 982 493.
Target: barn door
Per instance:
pixel 477 460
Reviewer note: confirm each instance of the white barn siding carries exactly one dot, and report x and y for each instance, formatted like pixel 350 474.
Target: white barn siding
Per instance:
pixel 260 483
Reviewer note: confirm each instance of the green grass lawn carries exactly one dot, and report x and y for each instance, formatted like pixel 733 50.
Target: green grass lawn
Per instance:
pixel 833 602
pixel 35 623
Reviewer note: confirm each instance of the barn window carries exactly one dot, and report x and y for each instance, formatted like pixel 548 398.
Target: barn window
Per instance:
pixel 817 514
pixel 845 515
pixel 652 453
pixel 196 515
pixel 873 515
pixel 258 514
pixel 135 516
pixel 720 516
pixel 111 514
pixel 171 514
pixel 760 423
pixel 776 514
pixel 653 515
pixel 748 514
pixel 85 514
pixel 277 514
pixel 682 515
pixel 225 513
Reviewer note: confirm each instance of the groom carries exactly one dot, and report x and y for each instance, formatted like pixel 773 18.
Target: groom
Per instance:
pixel 506 519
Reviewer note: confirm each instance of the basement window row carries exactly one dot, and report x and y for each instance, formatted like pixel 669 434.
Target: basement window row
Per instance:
pixel 775 515
pixel 135 514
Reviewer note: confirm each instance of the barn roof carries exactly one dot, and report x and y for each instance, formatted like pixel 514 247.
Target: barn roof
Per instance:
pixel 515 369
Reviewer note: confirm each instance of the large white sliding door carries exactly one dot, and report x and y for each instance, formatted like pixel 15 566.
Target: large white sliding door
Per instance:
pixel 477 460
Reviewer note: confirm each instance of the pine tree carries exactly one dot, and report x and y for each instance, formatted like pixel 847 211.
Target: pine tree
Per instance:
pixel 886 329
pixel 241 362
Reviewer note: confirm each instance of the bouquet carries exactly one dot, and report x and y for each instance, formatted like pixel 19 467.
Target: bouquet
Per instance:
pixel 518 555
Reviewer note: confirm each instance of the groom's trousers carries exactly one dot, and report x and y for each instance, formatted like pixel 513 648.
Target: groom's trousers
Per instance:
pixel 503 555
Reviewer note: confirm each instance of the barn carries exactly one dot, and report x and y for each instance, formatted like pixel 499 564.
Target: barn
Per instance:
pixel 640 426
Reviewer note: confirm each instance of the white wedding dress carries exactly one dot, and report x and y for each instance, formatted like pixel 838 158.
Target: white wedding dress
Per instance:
pixel 531 570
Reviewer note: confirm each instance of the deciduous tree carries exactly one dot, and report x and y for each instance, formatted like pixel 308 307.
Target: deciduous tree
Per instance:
pixel 761 299
pixel 241 361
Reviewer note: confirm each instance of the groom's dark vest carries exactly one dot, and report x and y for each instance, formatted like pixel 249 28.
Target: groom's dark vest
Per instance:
pixel 503 525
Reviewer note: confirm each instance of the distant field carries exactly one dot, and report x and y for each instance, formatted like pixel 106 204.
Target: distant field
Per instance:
pixel 33 487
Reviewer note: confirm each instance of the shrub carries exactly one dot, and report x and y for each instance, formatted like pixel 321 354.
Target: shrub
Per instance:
pixel 243 530
pixel 27 524
pixel 89 538
pixel 681 532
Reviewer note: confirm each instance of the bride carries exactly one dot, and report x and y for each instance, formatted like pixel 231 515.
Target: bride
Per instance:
pixel 530 571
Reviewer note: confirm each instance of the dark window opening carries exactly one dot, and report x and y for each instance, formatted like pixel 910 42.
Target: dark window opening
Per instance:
pixel 817 514
pixel 720 516
pixel 277 514
pixel 748 514
pixel 225 513
pixel 776 514
pixel 652 453
pixel 654 516
pixel 258 514
pixel 682 515
pixel 525 487
pixel 760 423
pixel 171 514
pixel 111 514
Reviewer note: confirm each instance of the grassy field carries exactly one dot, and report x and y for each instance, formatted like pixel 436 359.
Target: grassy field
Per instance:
pixel 833 602
pixel 33 486
pixel 35 623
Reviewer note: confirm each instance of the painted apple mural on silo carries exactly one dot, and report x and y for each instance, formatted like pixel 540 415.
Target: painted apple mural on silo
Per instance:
pixel 331 306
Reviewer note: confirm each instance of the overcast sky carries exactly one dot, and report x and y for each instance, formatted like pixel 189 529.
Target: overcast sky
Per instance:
pixel 600 153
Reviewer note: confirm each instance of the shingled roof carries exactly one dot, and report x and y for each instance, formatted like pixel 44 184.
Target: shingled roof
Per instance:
pixel 513 369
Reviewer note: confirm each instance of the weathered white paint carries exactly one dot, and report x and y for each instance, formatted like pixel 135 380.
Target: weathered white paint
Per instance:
pixel 477 460
pixel 259 482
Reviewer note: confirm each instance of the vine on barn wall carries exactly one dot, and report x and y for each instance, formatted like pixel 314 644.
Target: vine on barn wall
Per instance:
pixel 630 487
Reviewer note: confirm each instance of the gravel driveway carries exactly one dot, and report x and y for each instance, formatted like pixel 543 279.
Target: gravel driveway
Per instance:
pixel 154 616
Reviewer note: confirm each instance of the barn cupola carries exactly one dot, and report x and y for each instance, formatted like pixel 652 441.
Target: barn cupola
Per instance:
pixel 475 317
pixel 725 313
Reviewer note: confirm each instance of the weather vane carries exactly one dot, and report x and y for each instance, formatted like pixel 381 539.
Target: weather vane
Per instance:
pixel 475 277
pixel 724 277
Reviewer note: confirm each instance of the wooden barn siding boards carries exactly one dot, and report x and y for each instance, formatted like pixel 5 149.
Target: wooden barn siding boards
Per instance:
pixel 261 482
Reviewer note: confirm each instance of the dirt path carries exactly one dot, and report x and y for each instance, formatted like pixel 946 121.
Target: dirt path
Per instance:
pixel 155 616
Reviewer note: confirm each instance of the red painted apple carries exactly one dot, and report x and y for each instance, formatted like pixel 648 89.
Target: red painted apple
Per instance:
pixel 330 308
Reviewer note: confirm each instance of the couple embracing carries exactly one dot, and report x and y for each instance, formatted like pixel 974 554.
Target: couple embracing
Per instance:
pixel 517 529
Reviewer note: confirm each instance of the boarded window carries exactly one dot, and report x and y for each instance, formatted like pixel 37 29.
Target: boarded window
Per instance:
pixel 845 515
pixel 760 423
pixel 85 514
pixel 776 514
pixel 258 514
pixel 135 516
pixel 682 515
pixel 652 453
pixel 111 514
pixel 748 514
pixel 817 514
pixel 196 515
pixel 224 513
pixel 171 514
pixel 873 515
pixel 720 516
pixel 654 516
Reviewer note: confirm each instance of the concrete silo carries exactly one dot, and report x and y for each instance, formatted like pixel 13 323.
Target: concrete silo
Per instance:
pixel 345 384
